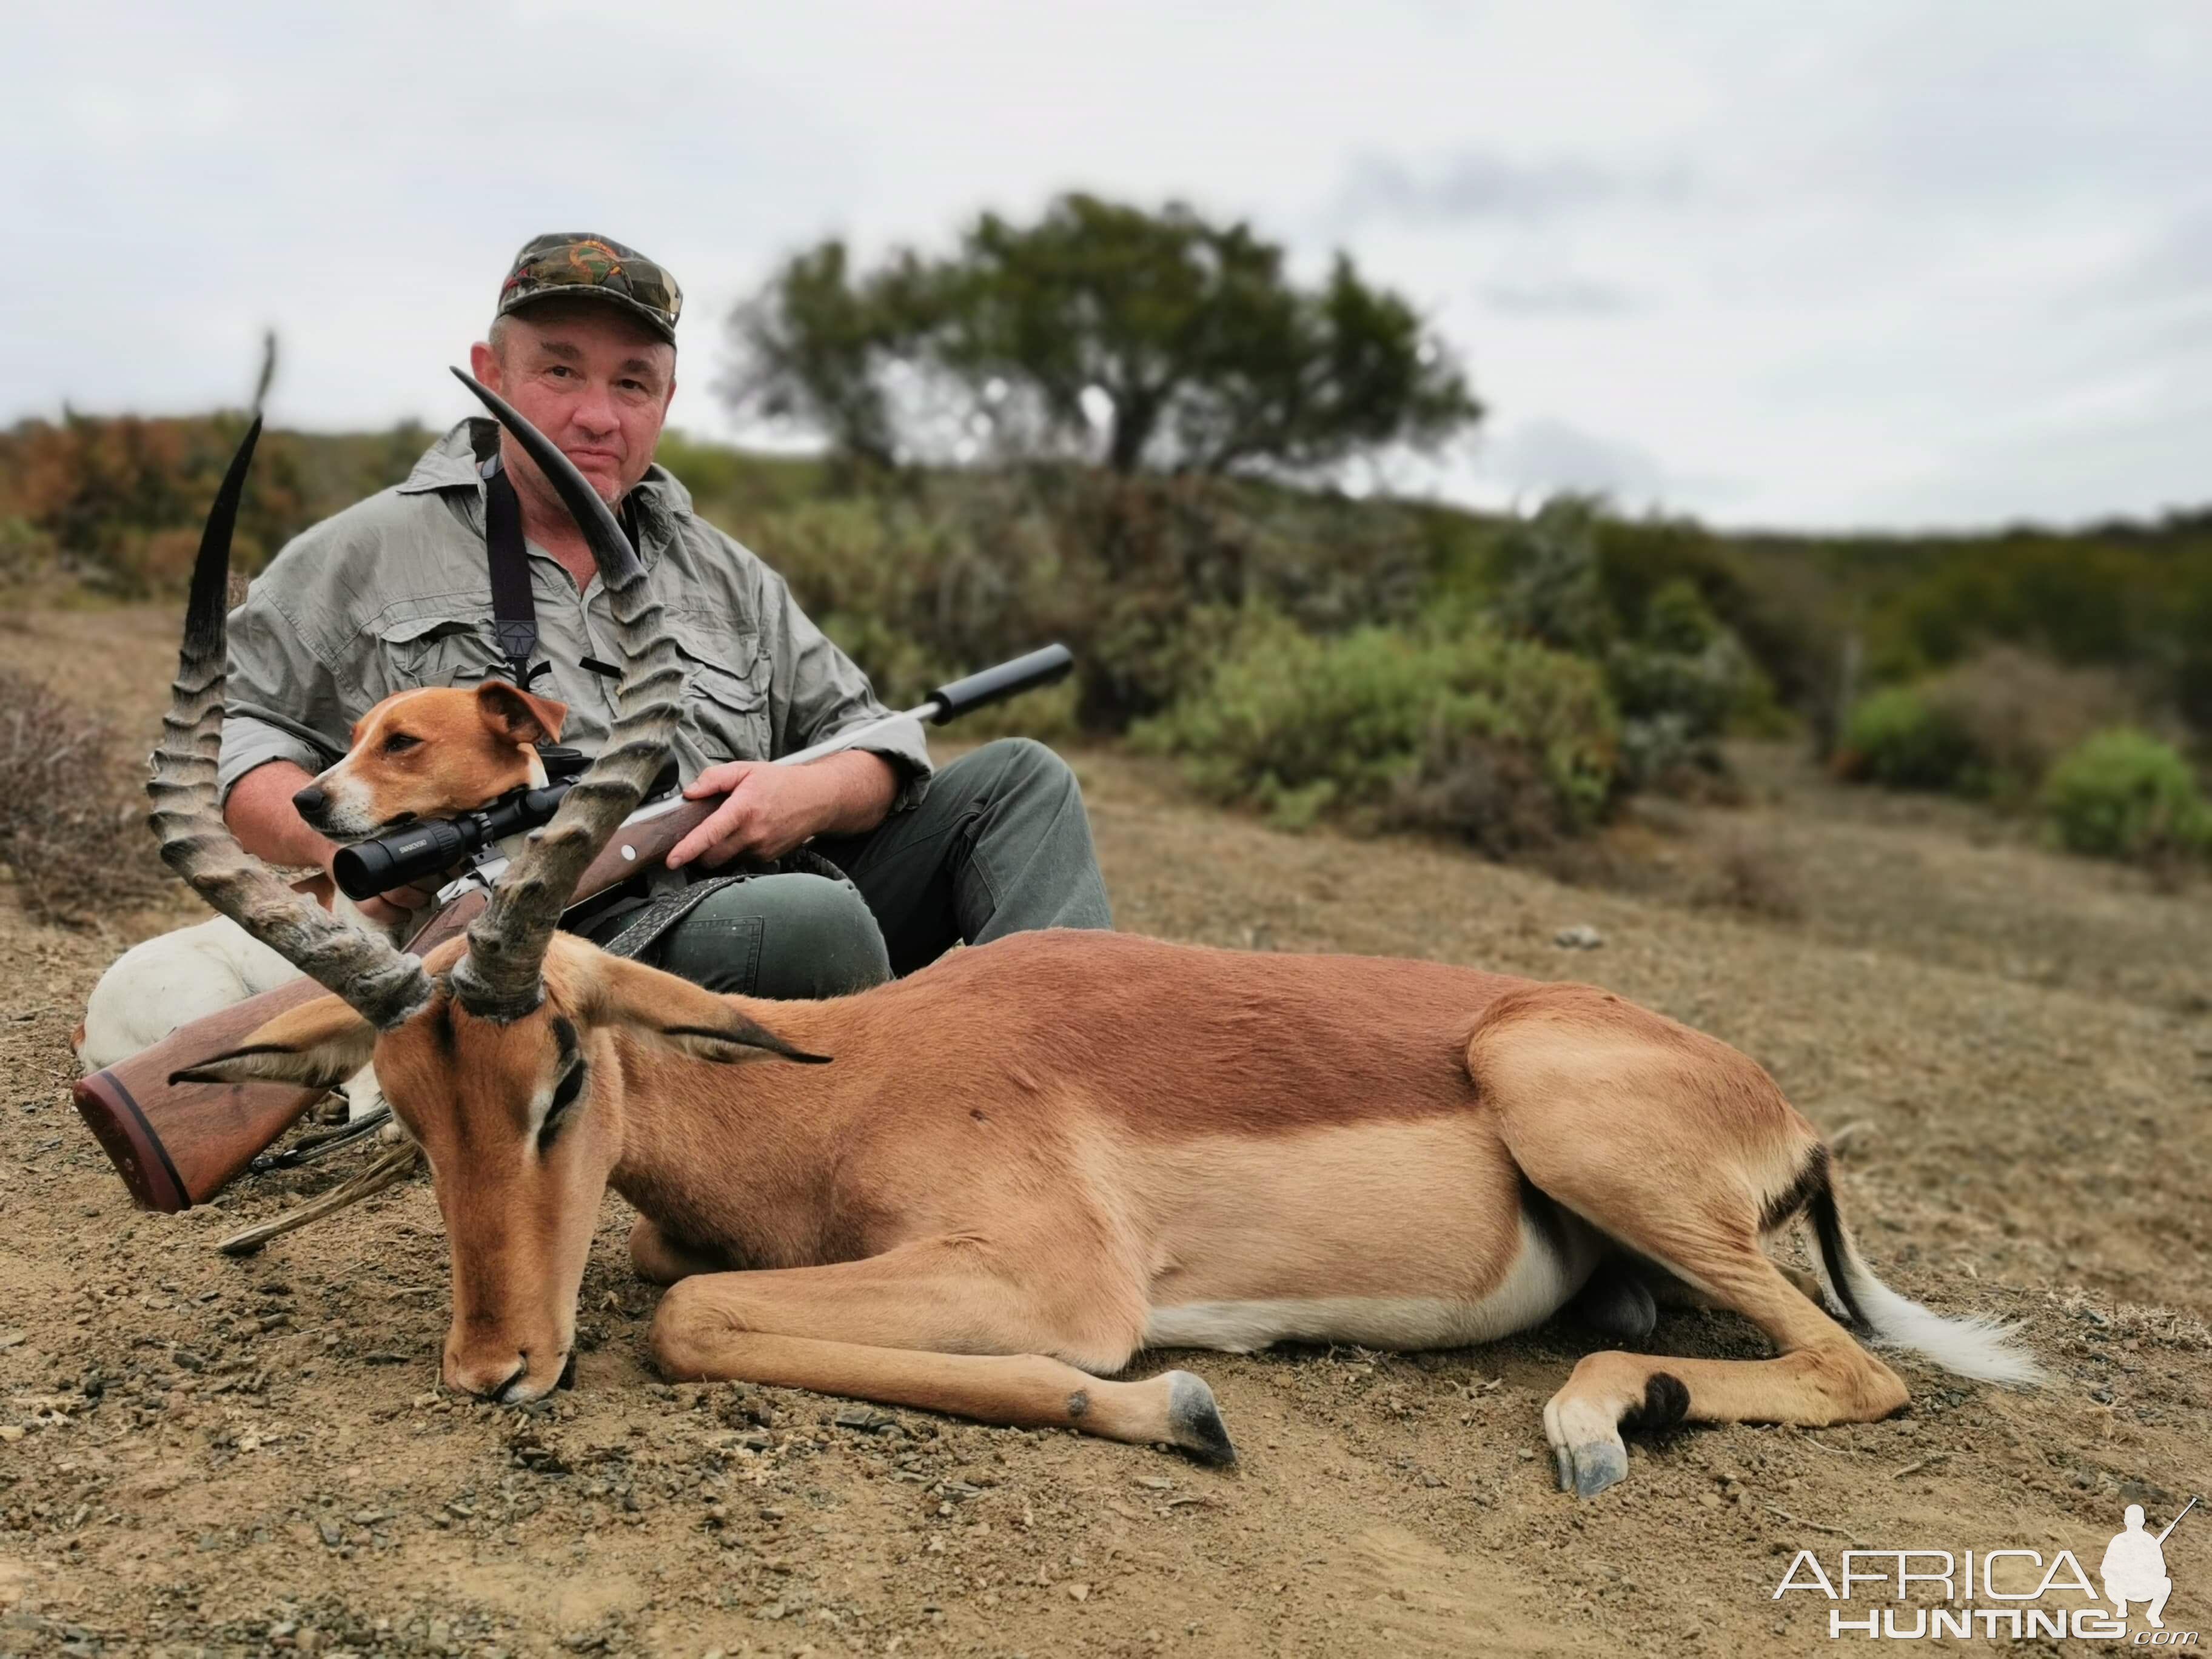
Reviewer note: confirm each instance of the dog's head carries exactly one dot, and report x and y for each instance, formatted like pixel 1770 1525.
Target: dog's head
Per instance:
pixel 429 754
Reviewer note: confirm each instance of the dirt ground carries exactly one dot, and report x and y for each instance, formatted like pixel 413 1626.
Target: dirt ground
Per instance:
pixel 2014 1050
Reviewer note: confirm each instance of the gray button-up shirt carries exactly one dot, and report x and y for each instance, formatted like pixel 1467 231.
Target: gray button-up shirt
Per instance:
pixel 394 593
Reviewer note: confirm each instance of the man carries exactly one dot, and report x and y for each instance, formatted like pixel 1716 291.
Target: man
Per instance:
pixel 396 592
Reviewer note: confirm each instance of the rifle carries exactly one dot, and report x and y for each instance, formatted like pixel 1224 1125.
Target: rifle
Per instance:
pixel 176 1144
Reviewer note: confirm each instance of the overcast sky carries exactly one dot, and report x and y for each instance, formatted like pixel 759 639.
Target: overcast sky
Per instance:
pixel 1869 265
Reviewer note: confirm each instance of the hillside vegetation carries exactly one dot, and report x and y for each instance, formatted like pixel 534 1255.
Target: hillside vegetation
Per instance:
pixel 1550 663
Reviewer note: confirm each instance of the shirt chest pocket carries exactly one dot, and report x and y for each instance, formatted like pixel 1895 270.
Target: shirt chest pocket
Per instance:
pixel 445 649
pixel 725 708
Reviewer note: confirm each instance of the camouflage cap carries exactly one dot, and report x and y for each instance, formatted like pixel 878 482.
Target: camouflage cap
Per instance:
pixel 576 265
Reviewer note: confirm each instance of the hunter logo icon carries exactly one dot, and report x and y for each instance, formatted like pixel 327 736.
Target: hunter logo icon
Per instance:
pixel 2134 1567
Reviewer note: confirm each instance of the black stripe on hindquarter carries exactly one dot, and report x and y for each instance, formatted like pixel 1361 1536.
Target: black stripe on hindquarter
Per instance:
pixel 1813 1194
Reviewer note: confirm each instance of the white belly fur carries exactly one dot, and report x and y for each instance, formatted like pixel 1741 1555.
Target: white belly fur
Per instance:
pixel 1538 1283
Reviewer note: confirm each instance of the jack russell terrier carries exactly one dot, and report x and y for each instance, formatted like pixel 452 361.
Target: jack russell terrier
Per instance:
pixel 423 754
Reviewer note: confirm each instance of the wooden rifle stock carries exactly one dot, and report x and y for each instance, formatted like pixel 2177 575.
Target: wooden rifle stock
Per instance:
pixel 178 1144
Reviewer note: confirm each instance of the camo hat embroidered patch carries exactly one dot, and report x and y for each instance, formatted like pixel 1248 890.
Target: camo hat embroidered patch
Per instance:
pixel 577 267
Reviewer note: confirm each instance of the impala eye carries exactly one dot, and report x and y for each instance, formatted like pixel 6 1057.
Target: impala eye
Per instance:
pixel 564 1096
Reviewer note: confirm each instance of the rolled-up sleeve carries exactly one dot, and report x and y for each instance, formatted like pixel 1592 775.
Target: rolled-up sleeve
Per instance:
pixel 816 692
pixel 280 702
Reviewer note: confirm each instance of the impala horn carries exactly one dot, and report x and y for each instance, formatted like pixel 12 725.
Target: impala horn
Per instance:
pixel 499 979
pixel 383 984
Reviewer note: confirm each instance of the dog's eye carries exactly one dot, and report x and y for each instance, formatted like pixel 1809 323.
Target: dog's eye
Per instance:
pixel 564 1096
pixel 399 741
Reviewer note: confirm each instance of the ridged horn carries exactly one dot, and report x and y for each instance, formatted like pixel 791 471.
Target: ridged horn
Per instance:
pixel 499 978
pixel 384 985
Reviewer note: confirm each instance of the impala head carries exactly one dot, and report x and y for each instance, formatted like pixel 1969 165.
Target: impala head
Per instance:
pixel 507 1054
pixel 523 1122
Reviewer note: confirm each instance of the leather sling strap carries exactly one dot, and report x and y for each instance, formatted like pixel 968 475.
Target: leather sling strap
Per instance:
pixel 514 612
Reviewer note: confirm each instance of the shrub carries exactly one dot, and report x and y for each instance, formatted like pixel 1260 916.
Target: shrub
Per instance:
pixel 1677 674
pixel 2124 794
pixel 1503 743
pixel 1144 578
pixel 2020 711
pixel 1900 739
pixel 71 826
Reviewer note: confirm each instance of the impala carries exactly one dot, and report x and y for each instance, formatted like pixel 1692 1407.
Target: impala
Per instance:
pixel 985 1188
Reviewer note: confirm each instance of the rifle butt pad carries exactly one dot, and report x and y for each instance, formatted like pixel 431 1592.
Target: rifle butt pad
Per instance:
pixel 176 1145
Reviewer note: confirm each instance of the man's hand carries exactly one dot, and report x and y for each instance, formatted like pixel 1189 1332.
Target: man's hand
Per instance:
pixel 386 910
pixel 772 809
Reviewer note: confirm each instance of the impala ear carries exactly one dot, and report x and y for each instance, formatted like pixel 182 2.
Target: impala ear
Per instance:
pixel 733 1038
pixel 317 1045
pixel 684 1015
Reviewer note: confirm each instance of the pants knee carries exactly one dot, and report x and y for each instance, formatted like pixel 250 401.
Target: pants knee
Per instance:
pixel 1024 763
pixel 785 937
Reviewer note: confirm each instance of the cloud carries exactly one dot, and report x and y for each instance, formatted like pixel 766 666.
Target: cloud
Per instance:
pixel 1539 458
pixel 1477 185
pixel 1886 262
pixel 1560 296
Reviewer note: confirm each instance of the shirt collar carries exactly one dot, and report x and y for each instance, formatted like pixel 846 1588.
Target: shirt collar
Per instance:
pixel 451 464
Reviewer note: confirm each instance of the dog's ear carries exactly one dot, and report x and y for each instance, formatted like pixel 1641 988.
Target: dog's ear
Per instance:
pixel 518 716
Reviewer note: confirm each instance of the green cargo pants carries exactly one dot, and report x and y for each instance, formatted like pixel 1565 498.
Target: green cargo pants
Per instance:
pixel 998 844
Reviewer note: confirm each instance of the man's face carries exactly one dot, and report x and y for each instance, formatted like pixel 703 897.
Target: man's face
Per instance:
pixel 591 380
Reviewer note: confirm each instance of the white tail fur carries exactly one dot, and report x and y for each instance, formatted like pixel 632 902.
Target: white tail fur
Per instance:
pixel 1976 1347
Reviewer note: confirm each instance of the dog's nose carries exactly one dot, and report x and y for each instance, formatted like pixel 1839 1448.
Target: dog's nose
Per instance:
pixel 310 800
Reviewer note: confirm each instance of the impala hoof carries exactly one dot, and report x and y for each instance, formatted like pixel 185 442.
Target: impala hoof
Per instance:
pixel 1587 1469
pixel 1195 1421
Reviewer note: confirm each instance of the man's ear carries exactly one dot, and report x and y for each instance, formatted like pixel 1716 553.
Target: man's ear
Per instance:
pixel 517 716
pixel 685 1016
pixel 317 1045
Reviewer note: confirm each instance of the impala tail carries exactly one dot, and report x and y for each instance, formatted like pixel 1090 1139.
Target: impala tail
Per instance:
pixel 1976 1347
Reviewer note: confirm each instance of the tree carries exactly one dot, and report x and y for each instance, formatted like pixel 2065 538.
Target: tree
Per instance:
pixel 813 347
pixel 1151 339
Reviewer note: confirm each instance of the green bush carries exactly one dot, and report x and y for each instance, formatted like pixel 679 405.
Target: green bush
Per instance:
pixel 1143 578
pixel 1902 740
pixel 1503 743
pixel 1679 675
pixel 2124 794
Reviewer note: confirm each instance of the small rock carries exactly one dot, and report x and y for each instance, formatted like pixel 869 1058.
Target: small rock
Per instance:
pixel 1579 938
pixel 333 1535
pixel 1078 1592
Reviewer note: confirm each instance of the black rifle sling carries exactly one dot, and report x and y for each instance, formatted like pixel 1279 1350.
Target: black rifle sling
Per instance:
pixel 514 612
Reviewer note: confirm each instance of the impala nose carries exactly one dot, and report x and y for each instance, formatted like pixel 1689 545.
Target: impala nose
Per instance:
pixel 495 1377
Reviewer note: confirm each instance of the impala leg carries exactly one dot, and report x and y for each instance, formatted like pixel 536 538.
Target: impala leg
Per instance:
pixel 659 1260
pixel 1669 1291
pixel 1670 1142
pixel 1822 1377
pixel 927 1326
